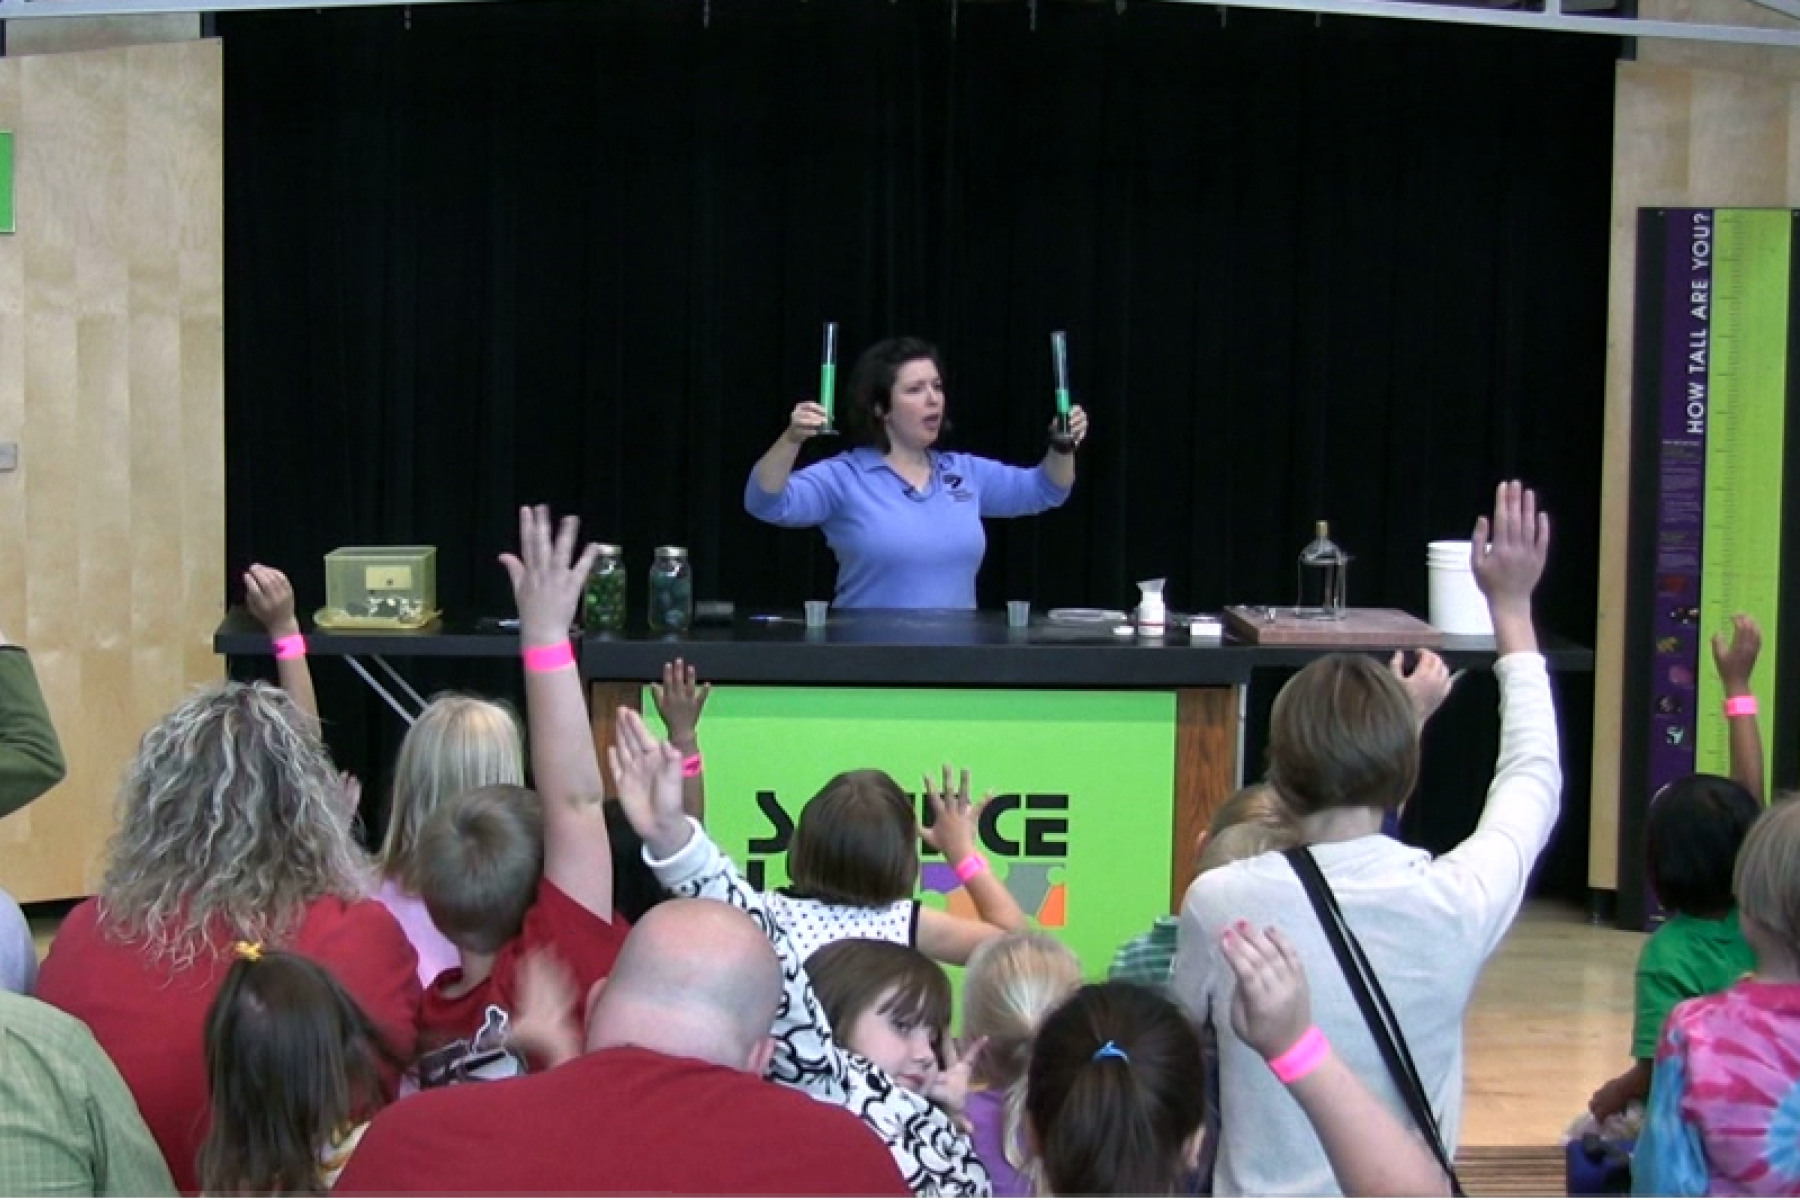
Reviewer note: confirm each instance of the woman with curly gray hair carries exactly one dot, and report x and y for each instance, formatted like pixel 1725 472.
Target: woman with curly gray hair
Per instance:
pixel 233 832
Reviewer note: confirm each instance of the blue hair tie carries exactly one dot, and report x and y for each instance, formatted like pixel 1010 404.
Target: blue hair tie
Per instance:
pixel 1110 1051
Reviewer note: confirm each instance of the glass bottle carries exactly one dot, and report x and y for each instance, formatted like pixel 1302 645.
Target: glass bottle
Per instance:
pixel 603 600
pixel 1321 572
pixel 671 591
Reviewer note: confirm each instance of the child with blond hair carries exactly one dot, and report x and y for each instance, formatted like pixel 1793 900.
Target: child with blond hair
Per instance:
pixel 1724 1102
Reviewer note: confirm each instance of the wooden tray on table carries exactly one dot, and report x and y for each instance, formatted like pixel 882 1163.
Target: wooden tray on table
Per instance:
pixel 1361 628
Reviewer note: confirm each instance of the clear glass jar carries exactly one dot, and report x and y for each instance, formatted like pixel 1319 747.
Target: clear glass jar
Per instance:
pixel 1321 572
pixel 671 604
pixel 603 600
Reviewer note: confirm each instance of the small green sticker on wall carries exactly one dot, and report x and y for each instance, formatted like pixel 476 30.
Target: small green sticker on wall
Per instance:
pixel 6 181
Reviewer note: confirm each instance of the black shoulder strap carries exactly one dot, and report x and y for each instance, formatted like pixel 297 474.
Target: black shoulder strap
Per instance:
pixel 1384 1026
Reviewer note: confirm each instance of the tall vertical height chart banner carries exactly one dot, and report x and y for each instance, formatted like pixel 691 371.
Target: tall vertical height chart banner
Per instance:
pixel 1715 351
pixel 1084 783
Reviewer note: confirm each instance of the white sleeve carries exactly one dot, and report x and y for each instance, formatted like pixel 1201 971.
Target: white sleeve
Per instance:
pixel 1487 873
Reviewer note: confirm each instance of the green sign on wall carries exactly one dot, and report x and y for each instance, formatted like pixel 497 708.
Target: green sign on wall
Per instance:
pixel 1084 783
pixel 6 181
pixel 1746 402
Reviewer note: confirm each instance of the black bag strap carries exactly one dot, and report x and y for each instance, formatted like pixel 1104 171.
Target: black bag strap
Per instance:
pixel 1384 1026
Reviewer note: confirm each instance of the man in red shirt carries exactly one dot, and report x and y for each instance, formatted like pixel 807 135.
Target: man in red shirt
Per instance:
pixel 668 1099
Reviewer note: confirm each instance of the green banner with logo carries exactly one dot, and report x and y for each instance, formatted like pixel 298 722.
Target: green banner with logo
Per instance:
pixel 1083 785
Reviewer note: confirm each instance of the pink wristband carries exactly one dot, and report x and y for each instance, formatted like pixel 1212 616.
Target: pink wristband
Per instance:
pixel 970 867
pixel 549 658
pixel 1302 1058
pixel 291 646
pixel 1740 706
pixel 691 766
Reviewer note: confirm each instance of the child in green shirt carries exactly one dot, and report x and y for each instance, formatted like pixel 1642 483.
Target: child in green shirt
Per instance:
pixel 1694 830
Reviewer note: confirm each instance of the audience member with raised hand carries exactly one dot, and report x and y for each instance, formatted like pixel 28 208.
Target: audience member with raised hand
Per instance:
pixel 458 743
pixel 31 763
pixel 1012 983
pixel 270 598
pixel 679 702
pixel 1427 683
pixel 1724 1100
pixel 1343 753
pixel 853 868
pixel 928 1145
pixel 1693 831
pixel 295 1069
pixel 1371 1152
pixel 231 828
pixel 1735 660
pixel 666 1100
pixel 505 871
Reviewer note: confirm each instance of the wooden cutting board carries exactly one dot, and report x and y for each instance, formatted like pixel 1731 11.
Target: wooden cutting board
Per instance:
pixel 1361 628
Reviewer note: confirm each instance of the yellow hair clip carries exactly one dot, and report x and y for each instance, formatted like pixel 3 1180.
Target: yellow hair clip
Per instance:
pixel 251 951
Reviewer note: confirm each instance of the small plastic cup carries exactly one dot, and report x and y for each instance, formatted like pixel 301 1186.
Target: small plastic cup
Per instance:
pixel 1018 614
pixel 815 613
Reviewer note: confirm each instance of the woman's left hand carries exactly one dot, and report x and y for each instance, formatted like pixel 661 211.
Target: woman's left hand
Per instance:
pixel 1078 425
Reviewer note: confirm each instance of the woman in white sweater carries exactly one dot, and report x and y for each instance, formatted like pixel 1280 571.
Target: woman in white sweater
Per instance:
pixel 1343 752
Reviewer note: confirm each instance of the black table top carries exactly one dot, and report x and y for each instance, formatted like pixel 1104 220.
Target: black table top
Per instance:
pixel 883 647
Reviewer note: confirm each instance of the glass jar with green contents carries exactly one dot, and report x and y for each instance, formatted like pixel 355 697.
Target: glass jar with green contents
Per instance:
pixel 671 591
pixel 603 601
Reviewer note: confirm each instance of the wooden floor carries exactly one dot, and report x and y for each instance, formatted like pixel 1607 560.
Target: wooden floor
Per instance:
pixel 1551 1021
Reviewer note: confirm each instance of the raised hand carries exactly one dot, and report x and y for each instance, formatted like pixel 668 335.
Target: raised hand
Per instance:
pixel 647 777
pixel 349 794
pixel 948 1087
pixel 805 421
pixel 547 576
pixel 1271 1007
pixel 952 829
pixel 679 702
pixel 270 598
pixel 1508 551
pixel 1427 685
pixel 1737 659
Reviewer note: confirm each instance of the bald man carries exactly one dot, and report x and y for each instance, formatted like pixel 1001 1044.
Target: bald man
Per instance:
pixel 668 1098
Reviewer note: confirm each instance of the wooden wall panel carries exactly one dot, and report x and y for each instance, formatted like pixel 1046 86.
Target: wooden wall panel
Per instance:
pixel 1694 125
pixel 112 381
pixel 1206 773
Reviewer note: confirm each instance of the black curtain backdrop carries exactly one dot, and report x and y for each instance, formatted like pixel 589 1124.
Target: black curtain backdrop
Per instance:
pixel 479 255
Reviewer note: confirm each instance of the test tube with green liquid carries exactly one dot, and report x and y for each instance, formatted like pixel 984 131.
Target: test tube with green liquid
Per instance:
pixel 828 379
pixel 1059 358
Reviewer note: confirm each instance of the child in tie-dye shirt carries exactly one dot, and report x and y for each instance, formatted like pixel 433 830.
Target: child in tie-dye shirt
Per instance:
pixel 1724 1113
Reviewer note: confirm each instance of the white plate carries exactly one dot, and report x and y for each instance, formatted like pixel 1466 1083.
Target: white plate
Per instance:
pixel 1086 616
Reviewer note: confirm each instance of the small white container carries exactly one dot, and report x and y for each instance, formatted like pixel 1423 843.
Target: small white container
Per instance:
pixel 1151 616
pixel 1456 604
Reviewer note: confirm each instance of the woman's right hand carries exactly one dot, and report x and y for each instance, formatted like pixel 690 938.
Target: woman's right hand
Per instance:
pixel 805 421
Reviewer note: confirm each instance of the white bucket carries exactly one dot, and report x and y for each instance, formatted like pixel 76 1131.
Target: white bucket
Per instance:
pixel 1456 603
